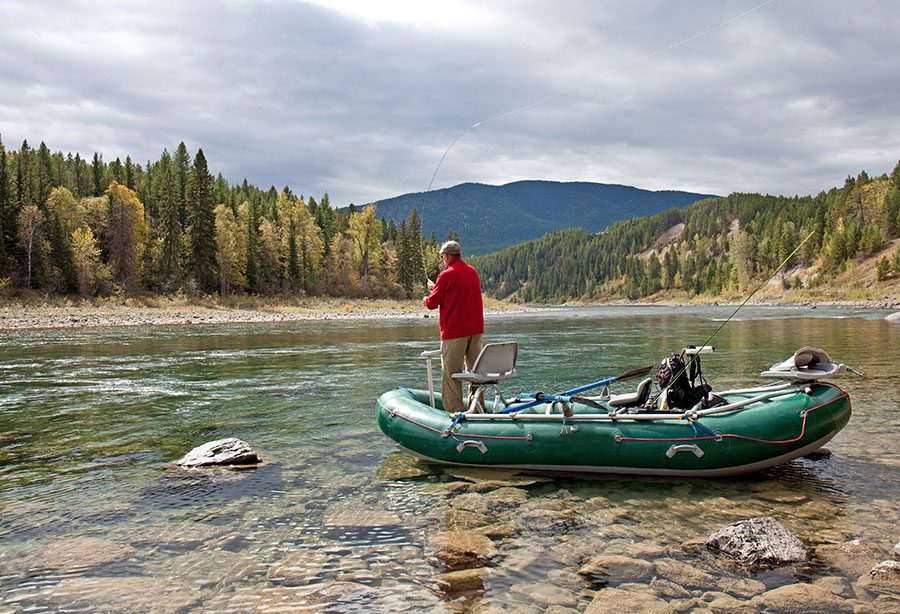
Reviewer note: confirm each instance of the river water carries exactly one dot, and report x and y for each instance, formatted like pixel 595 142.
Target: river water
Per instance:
pixel 91 516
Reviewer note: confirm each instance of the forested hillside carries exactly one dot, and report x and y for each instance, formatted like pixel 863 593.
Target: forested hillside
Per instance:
pixel 70 225
pixel 719 247
pixel 490 218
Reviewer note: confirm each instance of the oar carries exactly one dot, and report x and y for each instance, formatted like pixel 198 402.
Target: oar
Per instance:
pixel 568 393
pixel 550 398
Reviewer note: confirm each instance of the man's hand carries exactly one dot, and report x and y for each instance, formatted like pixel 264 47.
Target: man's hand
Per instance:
pixel 429 284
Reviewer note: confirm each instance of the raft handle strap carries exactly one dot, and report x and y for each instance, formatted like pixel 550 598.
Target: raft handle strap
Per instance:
pixel 695 449
pixel 473 444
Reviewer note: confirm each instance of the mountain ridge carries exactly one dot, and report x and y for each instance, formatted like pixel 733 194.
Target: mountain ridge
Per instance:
pixel 527 209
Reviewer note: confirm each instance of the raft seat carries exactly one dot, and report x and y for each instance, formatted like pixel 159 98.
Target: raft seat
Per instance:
pixel 496 362
pixel 634 399
pixel 807 364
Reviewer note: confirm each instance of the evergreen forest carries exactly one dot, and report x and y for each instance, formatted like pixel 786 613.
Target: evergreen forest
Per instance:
pixel 717 247
pixel 70 225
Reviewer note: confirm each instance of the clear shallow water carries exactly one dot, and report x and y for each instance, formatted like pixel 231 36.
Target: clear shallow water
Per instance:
pixel 89 420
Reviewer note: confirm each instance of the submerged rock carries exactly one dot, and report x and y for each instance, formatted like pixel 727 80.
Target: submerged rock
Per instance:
pixel 802 597
pixel 684 574
pixel 616 569
pixel 758 541
pixel 741 587
pixel 884 576
pixel 726 604
pixel 853 557
pixel 338 596
pixel 222 452
pixel 76 554
pixel 463 580
pixel 298 568
pixel 400 466
pixel 618 600
pixel 122 594
pixel 461 549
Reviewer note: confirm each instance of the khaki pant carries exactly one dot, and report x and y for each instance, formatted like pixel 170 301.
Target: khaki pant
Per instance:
pixel 453 353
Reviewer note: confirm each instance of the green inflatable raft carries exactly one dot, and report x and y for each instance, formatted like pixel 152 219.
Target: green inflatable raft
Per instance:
pixel 738 431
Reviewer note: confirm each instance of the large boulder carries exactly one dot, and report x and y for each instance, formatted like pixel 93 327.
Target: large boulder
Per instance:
pixel 894 317
pixel 758 542
pixel 222 452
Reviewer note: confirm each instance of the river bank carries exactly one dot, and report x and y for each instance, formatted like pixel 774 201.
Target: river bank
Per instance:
pixel 36 313
pixel 164 311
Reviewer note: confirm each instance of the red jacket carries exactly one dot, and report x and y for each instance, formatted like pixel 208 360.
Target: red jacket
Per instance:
pixel 457 292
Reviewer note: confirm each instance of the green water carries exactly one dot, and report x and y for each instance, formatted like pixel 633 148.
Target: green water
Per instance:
pixel 90 418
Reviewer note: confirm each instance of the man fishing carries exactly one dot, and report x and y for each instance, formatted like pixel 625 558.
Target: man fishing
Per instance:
pixel 457 292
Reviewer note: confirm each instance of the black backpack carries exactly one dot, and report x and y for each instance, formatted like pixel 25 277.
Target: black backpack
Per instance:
pixel 674 376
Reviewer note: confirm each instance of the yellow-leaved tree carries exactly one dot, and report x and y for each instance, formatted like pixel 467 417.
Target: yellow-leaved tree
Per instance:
pixel 86 258
pixel 66 208
pixel 365 231
pixel 231 249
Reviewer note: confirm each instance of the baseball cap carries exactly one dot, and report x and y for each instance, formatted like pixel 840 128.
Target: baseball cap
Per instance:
pixel 452 248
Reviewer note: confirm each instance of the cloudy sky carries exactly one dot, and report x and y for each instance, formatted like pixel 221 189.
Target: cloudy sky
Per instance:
pixel 362 98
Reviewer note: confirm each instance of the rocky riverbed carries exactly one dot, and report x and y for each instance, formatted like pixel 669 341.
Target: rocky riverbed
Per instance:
pixel 490 541
pixel 94 516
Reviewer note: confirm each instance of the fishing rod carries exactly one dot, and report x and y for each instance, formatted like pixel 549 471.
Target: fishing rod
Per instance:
pixel 571 89
pixel 695 352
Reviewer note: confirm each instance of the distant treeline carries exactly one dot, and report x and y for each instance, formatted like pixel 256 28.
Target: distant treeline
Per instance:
pixel 71 225
pixel 725 246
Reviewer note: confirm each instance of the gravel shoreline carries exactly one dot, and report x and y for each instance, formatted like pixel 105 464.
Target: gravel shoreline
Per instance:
pixel 24 317
pixel 18 318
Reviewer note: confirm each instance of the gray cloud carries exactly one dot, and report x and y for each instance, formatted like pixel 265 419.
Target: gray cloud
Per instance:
pixel 789 99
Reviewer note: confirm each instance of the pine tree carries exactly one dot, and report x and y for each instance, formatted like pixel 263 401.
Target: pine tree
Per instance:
pixel 97 174
pixel 169 227
pixel 42 170
pixel 129 173
pixel 182 161
pixel 60 255
pixel 252 265
pixel 7 215
pixel 202 222
pixel 882 269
